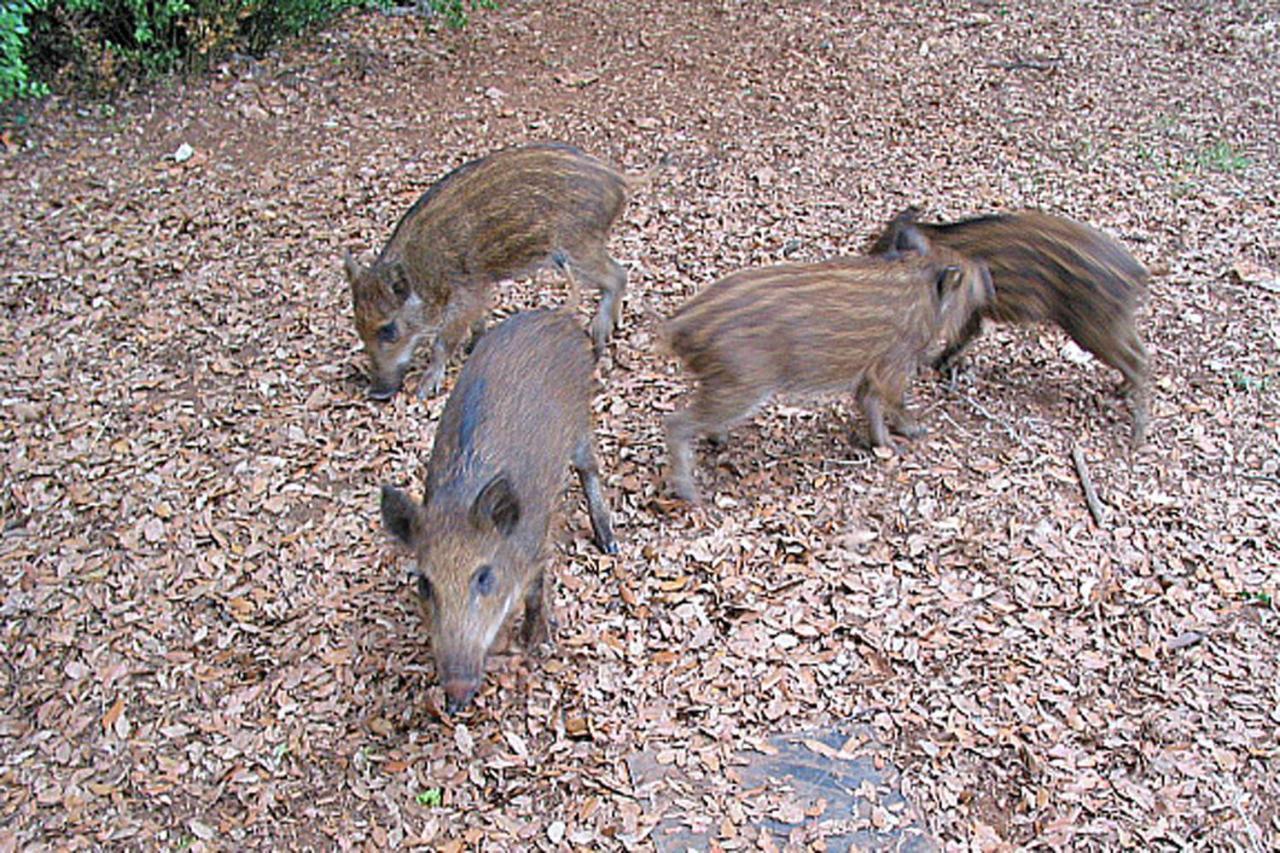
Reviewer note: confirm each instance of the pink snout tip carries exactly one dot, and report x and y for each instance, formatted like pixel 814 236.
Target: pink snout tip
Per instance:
pixel 458 693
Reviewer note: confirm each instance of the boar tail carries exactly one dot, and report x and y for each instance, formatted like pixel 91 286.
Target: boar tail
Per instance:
pixel 561 260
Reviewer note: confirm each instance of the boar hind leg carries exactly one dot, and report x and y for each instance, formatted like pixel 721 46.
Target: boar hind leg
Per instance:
pixel 477 332
pixel 873 407
pixel 946 362
pixel 681 433
pixel 584 462
pixel 611 278
pixel 537 626
pixel 712 412
pixel 1124 351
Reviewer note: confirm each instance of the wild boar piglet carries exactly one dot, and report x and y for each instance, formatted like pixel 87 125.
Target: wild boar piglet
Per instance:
pixel 519 413
pixel 499 217
pixel 1048 268
pixel 855 324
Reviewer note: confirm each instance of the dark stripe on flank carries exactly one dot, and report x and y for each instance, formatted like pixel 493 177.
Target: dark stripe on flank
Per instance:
pixel 472 414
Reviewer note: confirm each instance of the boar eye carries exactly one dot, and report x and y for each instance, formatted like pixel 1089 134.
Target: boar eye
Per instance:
pixel 424 588
pixel 484 580
pixel 388 333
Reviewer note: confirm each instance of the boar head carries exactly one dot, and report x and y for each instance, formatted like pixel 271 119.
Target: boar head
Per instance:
pixel 389 319
pixel 469 576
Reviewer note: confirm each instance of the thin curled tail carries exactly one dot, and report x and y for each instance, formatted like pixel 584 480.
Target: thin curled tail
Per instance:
pixel 561 260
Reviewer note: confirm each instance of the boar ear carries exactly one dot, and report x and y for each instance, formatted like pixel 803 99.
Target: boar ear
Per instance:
pixel 399 282
pixel 988 286
pixel 887 243
pixel 909 239
pixel 400 515
pixel 498 505
pixel 352 268
pixel 948 280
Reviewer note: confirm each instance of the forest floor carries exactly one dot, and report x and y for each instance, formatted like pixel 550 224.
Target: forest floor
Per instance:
pixel 209 641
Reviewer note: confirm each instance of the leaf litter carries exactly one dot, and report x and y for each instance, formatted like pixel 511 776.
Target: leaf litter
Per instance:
pixel 210 643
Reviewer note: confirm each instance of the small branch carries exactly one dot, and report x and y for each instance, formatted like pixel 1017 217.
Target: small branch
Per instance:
pixel 1261 284
pixel 1086 482
pixel 1032 64
pixel 852 463
pixel 980 409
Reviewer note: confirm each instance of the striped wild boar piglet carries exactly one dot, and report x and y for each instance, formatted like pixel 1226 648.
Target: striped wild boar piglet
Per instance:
pixel 856 324
pixel 519 413
pixel 499 217
pixel 1048 268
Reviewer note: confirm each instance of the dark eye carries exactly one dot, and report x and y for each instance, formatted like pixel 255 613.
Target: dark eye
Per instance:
pixel 424 588
pixel 388 333
pixel 484 581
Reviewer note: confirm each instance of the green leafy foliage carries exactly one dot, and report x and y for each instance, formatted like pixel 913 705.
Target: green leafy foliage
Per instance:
pixel 99 43
pixel 455 12
pixel 1222 157
pixel 15 80
pixel 430 797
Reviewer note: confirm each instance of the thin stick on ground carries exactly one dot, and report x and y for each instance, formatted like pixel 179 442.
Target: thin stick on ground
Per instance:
pixel 982 410
pixel 1086 482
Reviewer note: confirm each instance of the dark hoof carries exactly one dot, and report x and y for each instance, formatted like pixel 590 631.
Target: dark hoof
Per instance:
pixel 383 393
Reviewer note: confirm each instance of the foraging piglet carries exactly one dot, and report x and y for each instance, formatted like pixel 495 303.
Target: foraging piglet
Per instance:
pixel 499 217
pixel 520 411
pixel 847 323
pixel 1048 268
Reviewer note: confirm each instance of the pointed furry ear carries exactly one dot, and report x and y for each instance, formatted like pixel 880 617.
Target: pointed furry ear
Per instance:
pixel 352 268
pixel 401 516
pixel 988 285
pixel 909 239
pixel 498 505
pixel 399 282
pixel 949 278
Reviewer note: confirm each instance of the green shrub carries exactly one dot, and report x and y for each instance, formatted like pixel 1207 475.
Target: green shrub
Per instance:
pixel 98 43
pixel 455 11
pixel 15 80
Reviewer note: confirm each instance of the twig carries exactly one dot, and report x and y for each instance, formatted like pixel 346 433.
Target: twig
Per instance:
pixel 1249 826
pixel 980 409
pixel 1261 284
pixel 1086 482
pixel 865 460
pixel 1032 64
pixel 1261 478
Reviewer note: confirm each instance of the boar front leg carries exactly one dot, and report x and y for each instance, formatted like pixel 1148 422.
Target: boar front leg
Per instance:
pixel 459 317
pixel 537 627
pixel 873 408
pixel 896 414
pixel 901 422
pixel 584 462
pixel 946 362
pixel 477 332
